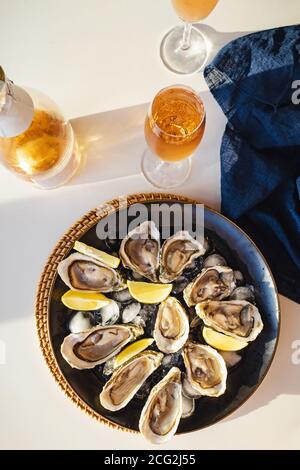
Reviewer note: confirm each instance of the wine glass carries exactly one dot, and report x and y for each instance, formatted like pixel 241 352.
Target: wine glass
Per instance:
pixel 184 49
pixel 174 127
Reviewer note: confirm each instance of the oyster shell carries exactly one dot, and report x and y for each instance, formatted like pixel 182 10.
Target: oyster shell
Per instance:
pixel 188 391
pixel 163 409
pixel 243 293
pixel 87 349
pixel 188 406
pixel 206 369
pixel 139 250
pixel 85 274
pixel 171 328
pixel 127 380
pixel 239 278
pixel 212 283
pixel 214 260
pixel 236 318
pixel 177 253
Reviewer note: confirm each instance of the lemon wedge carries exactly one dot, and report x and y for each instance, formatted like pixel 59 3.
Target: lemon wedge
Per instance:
pixel 149 293
pixel 224 343
pixel 84 300
pixel 102 256
pixel 132 350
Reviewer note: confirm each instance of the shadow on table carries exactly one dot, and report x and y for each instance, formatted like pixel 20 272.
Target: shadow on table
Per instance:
pixel 99 136
pixel 217 39
pixel 112 144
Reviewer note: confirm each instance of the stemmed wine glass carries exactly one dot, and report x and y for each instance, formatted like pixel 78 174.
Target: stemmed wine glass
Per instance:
pixel 174 127
pixel 184 49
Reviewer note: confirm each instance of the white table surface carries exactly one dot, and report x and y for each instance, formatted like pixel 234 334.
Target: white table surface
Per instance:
pixel 99 60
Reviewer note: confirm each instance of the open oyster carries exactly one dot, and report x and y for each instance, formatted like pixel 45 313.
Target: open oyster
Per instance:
pixel 236 318
pixel 213 283
pixel 87 349
pixel 206 369
pixel 171 328
pixel 139 250
pixel 127 380
pixel 85 274
pixel 177 253
pixel 162 411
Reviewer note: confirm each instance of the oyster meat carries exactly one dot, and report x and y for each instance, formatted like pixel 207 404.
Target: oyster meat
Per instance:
pixel 206 369
pixel 237 318
pixel 213 283
pixel 163 409
pixel 127 380
pixel 139 250
pixel 85 274
pixel 171 328
pixel 177 253
pixel 87 349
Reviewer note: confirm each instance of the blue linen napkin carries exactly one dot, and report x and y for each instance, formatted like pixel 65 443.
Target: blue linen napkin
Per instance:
pixel 254 80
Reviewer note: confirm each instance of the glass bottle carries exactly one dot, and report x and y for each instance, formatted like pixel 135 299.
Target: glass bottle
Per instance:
pixel 36 142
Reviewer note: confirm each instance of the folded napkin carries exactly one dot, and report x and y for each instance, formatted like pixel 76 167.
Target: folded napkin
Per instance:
pixel 254 81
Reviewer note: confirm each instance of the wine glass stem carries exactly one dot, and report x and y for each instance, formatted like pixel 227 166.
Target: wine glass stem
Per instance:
pixel 186 38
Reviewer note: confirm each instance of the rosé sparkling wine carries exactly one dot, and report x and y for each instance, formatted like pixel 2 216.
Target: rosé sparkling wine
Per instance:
pixel 175 125
pixel 193 10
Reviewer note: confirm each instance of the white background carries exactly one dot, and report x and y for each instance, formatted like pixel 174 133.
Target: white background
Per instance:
pixel 94 57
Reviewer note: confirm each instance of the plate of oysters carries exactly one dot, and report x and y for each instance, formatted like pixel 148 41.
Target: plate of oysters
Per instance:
pixel 157 315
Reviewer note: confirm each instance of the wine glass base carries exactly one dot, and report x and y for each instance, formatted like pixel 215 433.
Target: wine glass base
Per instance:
pixel 164 174
pixel 184 61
